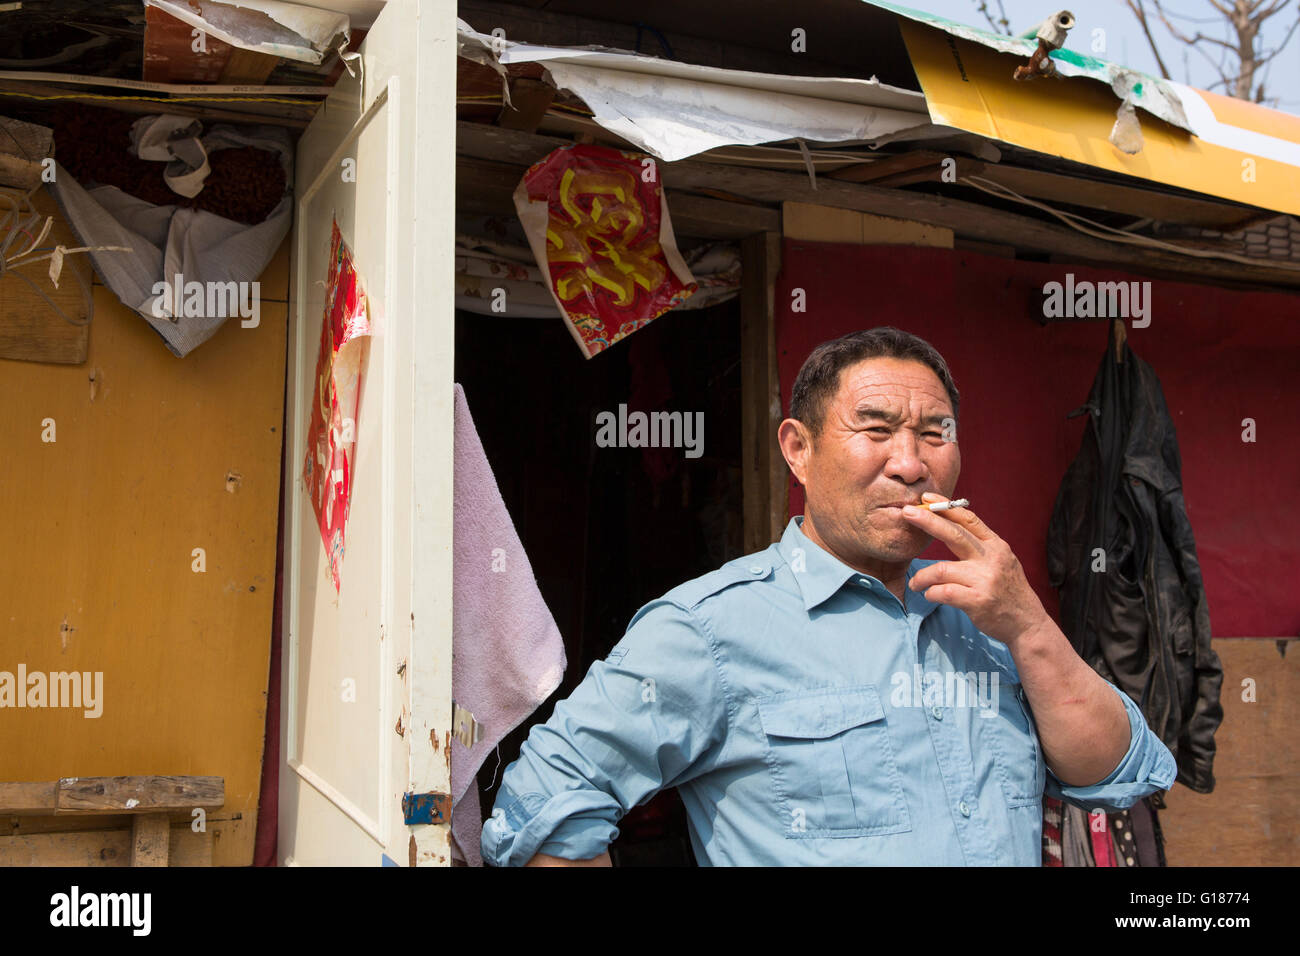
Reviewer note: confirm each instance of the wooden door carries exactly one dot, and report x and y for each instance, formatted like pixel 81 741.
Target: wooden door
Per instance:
pixel 366 702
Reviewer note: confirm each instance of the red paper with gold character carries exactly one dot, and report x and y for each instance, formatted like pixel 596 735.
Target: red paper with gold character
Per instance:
pixel 331 434
pixel 604 238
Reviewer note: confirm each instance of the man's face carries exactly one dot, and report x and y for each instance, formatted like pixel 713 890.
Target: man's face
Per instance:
pixel 881 446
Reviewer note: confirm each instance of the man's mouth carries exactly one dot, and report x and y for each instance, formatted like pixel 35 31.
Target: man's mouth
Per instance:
pixel 900 504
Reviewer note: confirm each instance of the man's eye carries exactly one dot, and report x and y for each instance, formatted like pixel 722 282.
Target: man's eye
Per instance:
pixel 878 428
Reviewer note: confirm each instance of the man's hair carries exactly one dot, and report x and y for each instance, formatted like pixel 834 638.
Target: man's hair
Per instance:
pixel 819 379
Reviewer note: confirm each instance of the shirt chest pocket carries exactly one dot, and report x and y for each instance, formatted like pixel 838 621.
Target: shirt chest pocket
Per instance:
pixel 1016 750
pixel 832 763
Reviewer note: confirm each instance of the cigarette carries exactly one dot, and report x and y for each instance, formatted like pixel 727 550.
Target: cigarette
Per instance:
pixel 947 505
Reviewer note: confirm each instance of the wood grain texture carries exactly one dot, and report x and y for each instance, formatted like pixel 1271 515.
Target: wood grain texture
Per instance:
pixel 763 468
pixel 149 840
pixel 1253 816
pixel 100 848
pixel 29 328
pixel 101 526
pixel 139 794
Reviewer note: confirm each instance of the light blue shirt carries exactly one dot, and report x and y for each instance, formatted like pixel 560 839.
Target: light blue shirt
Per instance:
pixel 806 717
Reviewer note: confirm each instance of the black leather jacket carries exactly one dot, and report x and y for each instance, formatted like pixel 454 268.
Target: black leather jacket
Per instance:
pixel 1141 620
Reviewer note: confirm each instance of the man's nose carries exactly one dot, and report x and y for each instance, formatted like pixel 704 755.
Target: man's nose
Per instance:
pixel 904 459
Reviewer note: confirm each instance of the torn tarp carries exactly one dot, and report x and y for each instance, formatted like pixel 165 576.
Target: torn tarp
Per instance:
pixel 289 30
pixel 673 110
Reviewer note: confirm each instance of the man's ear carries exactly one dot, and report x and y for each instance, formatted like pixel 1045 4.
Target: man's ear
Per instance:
pixel 796 446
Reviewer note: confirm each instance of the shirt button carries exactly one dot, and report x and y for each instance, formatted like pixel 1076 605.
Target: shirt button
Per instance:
pixel 965 810
pixel 936 712
pixel 755 569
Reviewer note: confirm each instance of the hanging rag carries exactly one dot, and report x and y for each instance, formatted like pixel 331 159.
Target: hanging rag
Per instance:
pixel 507 653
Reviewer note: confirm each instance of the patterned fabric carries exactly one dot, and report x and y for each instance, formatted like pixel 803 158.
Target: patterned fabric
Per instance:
pixel 1052 813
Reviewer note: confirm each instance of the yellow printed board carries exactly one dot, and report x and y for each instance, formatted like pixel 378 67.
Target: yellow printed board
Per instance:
pixel 1240 152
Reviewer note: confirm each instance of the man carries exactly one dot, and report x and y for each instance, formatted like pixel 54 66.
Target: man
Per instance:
pixel 831 700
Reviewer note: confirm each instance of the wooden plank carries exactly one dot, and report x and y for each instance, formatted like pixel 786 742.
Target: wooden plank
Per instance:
pixel 1000 249
pixel 1114 197
pixel 287 114
pixel 486 188
pixel 762 465
pixel 926 165
pixel 42 823
pixel 829 224
pixel 888 166
pixel 30 330
pixel 28 797
pixel 966 219
pixel 1253 816
pixel 801 220
pixel 139 794
pixel 100 848
pixel 149 839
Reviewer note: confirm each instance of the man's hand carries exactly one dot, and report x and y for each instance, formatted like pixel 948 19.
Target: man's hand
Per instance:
pixel 987 582
pixel 1082 724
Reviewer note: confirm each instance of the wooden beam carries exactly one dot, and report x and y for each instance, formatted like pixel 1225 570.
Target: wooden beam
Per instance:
pixel 99 848
pixel 888 166
pixel 24 798
pixel 967 219
pixel 763 469
pixel 139 794
pixel 828 224
pixel 1117 198
pixel 486 188
pixel 921 165
pixel 149 839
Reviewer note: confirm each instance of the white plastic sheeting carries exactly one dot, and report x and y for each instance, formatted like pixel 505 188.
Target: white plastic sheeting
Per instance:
pixel 295 31
pixel 166 241
pixel 673 110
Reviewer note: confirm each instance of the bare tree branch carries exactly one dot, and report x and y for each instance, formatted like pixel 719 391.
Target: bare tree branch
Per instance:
pixel 1139 11
pixel 1243 57
pixel 1001 24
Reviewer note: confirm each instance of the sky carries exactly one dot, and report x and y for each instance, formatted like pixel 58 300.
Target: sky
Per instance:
pixel 1125 43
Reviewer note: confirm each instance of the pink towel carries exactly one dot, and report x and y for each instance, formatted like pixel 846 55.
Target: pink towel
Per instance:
pixel 507 653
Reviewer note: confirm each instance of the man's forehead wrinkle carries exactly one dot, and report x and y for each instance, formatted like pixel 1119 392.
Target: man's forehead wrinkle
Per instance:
pixel 859 392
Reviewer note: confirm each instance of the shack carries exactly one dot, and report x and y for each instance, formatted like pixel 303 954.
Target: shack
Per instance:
pixel 242 529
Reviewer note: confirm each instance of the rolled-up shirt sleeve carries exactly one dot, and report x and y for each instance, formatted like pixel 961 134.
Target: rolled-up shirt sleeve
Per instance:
pixel 650 716
pixel 1147 767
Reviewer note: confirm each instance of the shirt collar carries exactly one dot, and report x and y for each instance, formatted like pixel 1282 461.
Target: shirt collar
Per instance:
pixel 820 574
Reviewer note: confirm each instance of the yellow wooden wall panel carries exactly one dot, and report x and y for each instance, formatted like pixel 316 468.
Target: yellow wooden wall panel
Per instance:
pixel 100 526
